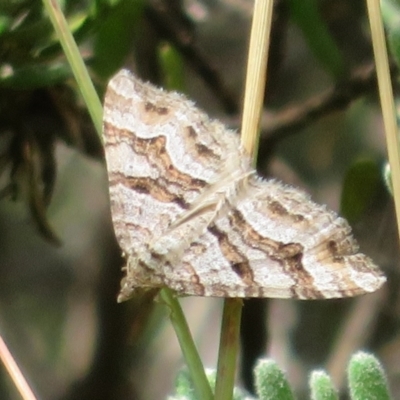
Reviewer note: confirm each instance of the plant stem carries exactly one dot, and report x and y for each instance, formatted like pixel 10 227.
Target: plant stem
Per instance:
pixel 78 67
pixel 228 348
pixel 253 104
pixel 256 74
pixel 189 351
pixel 386 97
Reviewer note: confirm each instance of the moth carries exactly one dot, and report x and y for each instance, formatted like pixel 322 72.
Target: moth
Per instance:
pixel 190 213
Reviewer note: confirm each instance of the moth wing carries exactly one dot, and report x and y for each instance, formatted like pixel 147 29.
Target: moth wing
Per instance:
pixel 275 242
pixel 162 155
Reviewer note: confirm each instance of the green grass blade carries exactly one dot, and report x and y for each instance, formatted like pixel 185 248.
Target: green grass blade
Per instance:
pixel 77 65
pixel 189 351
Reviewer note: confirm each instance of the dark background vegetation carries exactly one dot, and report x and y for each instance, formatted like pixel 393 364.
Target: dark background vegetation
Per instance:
pixel 59 261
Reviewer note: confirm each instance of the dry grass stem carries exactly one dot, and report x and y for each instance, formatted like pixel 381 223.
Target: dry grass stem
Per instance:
pixel 256 74
pixel 386 96
pixel 15 373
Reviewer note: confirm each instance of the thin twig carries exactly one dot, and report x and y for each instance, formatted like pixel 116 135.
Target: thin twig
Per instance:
pixel 15 373
pixel 338 97
pixel 290 120
pixel 183 40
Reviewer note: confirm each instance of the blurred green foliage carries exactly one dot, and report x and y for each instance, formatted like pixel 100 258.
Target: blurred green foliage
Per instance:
pixel 391 19
pixel 30 53
pixel 307 16
pixel 360 187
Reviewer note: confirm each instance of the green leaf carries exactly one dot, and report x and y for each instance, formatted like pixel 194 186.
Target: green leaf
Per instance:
pixel 367 379
pixel 172 66
pixel 115 38
pixel 35 76
pixel 391 19
pixel 28 31
pixel 5 24
pixel 322 387
pixel 306 15
pixel 271 383
pixel 359 188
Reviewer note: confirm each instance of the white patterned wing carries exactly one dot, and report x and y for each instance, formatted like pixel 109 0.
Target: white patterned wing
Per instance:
pixel 275 242
pixel 166 162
